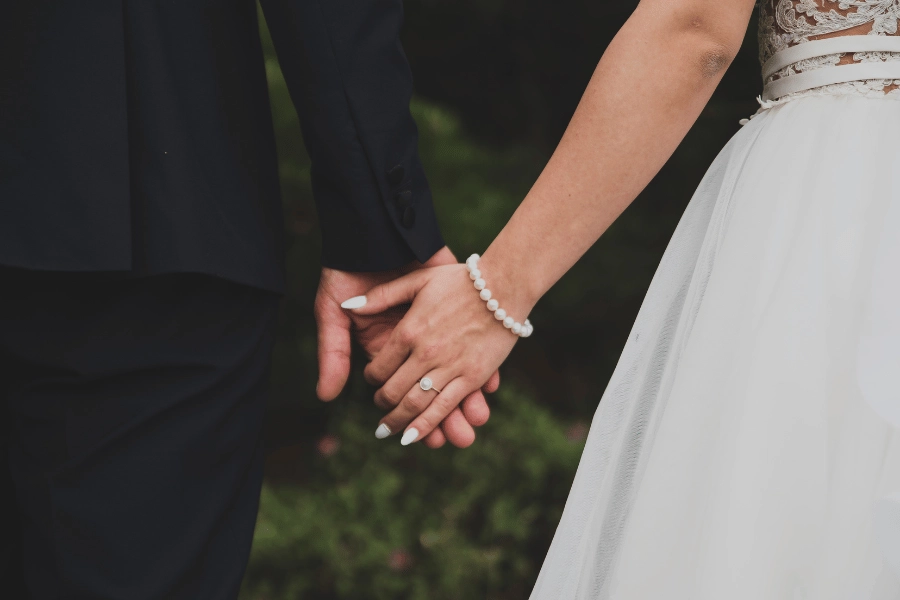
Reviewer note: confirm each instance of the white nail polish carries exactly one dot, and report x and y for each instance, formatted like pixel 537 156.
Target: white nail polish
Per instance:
pixel 382 432
pixel 355 302
pixel 409 437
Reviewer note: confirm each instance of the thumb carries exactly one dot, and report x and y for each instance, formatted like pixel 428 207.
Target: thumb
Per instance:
pixel 334 352
pixel 387 295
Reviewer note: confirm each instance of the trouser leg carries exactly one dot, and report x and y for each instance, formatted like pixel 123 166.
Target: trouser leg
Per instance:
pixel 136 411
pixel 12 580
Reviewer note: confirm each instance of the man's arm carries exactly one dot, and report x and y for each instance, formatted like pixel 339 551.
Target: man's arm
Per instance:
pixel 350 81
pixel 351 84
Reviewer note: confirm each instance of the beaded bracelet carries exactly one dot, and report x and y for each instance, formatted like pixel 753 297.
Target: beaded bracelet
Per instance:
pixel 522 330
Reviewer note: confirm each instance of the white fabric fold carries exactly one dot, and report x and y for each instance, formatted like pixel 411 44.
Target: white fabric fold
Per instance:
pixel 851 44
pixel 746 447
pixel 836 45
pixel 829 75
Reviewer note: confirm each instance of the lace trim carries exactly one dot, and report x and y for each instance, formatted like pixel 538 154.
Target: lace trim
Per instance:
pixel 785 23
pixel 863 89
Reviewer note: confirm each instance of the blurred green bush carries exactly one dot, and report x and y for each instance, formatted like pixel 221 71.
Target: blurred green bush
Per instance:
pixel 375 520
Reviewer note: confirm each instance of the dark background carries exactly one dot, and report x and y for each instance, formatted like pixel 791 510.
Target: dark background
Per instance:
pixel 346 516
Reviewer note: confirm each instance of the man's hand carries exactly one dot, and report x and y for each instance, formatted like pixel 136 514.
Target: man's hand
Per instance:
pixel 372 332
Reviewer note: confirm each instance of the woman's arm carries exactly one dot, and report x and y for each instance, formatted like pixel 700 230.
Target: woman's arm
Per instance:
pixel 648 89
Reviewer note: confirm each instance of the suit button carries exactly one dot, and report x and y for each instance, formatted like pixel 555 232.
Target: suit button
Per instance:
pixel 403 199
pixel 409 217
pixel 396 175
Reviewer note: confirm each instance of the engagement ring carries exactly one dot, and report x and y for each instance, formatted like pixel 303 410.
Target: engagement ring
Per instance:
pixel 426 384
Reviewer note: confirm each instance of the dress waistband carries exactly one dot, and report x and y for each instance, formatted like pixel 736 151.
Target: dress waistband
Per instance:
pixel 830 74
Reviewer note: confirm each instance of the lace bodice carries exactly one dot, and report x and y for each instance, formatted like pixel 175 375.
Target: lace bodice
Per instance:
pixel 786 23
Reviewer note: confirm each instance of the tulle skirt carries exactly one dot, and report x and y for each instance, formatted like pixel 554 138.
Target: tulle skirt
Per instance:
pixel 748 444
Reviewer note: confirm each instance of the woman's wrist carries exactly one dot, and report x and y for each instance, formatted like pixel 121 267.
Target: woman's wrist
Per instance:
pixel 521 327
pixel 508 285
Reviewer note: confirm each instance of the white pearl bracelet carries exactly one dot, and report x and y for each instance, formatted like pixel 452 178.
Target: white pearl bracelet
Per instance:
pixel 522 330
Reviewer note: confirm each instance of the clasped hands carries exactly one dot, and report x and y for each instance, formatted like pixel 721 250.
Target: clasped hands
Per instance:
pixel 446 335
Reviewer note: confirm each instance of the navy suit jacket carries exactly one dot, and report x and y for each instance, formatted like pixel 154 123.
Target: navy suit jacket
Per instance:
pixel 136 136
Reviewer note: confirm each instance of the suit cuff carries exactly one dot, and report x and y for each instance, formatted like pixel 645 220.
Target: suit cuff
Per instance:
pixel 396 225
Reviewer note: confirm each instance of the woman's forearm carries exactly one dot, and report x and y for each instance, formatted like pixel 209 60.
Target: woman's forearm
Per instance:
pixel 648 89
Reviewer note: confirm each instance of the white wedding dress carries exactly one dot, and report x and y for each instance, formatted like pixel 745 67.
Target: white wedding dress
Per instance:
pixel 748 444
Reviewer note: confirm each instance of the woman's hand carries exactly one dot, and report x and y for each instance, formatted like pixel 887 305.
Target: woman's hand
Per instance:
pixel 448 336
pixel 372 332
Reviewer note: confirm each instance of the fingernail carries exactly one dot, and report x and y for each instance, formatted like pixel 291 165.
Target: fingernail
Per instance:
pixel 409 437
pixel 382 432
pixel 355 302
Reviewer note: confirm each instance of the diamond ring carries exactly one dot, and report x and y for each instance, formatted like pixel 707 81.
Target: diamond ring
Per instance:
pixel 426 384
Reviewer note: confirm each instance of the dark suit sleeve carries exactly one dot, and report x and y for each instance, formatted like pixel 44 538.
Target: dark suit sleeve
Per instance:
pixel 351 83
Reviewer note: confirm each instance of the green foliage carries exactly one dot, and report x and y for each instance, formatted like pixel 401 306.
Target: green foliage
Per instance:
pixel 375 520
pixel 476 188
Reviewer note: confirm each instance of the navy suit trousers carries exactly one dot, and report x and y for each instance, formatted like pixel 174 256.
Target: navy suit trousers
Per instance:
pixel 130 413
